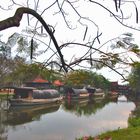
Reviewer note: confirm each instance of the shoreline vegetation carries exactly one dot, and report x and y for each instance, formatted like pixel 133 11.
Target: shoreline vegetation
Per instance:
pixel 130 133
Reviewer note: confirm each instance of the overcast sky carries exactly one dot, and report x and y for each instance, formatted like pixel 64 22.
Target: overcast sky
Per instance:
pixel 109 27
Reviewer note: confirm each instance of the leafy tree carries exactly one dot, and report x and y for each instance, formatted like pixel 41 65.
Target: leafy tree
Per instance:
pixel 79 78
pixel 83 78
pixel 24 72
pixel 11 65
pixel 100 81
pixel 5 68
pixel 134 77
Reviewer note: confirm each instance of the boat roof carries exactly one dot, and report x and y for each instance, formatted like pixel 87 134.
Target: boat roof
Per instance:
pixel 30 88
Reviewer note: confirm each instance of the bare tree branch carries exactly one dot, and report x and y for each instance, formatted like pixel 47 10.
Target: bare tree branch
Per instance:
pixel 88 59
pixel 130 27
pixel 15 21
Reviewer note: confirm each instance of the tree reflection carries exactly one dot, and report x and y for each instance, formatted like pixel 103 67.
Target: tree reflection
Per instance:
pixel 86 107
pixel 3 128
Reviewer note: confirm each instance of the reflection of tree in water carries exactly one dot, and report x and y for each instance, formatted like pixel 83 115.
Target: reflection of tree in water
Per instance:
pixel 3 128
pixel 3 117
pixel 86 107
pixel 21 115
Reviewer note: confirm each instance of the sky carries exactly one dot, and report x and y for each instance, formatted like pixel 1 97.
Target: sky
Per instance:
pixel 108 26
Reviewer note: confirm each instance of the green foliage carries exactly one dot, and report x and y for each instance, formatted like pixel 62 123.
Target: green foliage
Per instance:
pixel 24 72
pixel 135 49
pixel 123 134
pixel 134 122
pixel 79 78
pixel 132 133
pixel 83 77
pixel 134 77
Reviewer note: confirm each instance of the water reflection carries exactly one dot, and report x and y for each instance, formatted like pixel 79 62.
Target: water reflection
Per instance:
pixel 86 107
pixel 3 128
pixel 66 121
pixel 21 115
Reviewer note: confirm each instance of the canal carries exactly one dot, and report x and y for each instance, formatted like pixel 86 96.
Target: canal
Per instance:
pixel 65 121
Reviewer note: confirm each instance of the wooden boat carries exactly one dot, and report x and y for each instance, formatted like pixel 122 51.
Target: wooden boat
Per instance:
pixel 113 94
pixel 75 93
pixel 29 96
pixel 99 93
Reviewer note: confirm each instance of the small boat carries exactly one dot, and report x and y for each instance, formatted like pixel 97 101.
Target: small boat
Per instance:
pixel 79 93
pixel 30 96
pixel 113 94
pixel 99 93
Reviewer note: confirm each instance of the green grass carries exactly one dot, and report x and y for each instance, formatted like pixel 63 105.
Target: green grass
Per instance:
pixel 131 133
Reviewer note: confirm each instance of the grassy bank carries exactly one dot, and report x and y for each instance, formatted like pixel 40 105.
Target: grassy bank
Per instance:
pixel 130 133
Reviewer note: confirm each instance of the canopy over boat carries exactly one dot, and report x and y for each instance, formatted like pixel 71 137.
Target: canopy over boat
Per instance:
pixel 44 94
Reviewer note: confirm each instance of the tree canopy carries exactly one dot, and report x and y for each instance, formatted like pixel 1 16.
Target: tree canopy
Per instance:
pixel 134 77
pixel 83 78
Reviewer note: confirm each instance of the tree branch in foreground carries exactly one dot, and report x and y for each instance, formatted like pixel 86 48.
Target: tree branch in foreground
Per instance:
pixel 15 22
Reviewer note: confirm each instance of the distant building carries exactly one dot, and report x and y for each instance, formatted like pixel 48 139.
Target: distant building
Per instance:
pixel 119 88
pixel 114 86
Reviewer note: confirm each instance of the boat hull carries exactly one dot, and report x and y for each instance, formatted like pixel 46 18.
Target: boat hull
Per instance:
pixel 76 97
pixel 33 102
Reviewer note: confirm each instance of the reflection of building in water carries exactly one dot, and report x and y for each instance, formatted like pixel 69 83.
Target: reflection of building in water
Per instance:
pixel 119 88
pixel 3 128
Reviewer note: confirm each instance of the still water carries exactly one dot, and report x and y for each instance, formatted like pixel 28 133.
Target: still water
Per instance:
pixel 65 121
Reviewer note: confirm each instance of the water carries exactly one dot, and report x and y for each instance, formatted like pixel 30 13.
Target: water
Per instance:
pixel 65 121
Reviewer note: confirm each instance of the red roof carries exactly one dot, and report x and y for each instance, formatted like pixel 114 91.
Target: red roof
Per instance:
pixel 40 80
pixel 58 83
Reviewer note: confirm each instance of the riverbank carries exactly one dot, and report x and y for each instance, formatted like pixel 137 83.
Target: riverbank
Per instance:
pixel 130 133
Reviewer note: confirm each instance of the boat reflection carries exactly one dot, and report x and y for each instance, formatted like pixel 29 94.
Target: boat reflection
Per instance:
pixel 22 115
pixel 86 107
